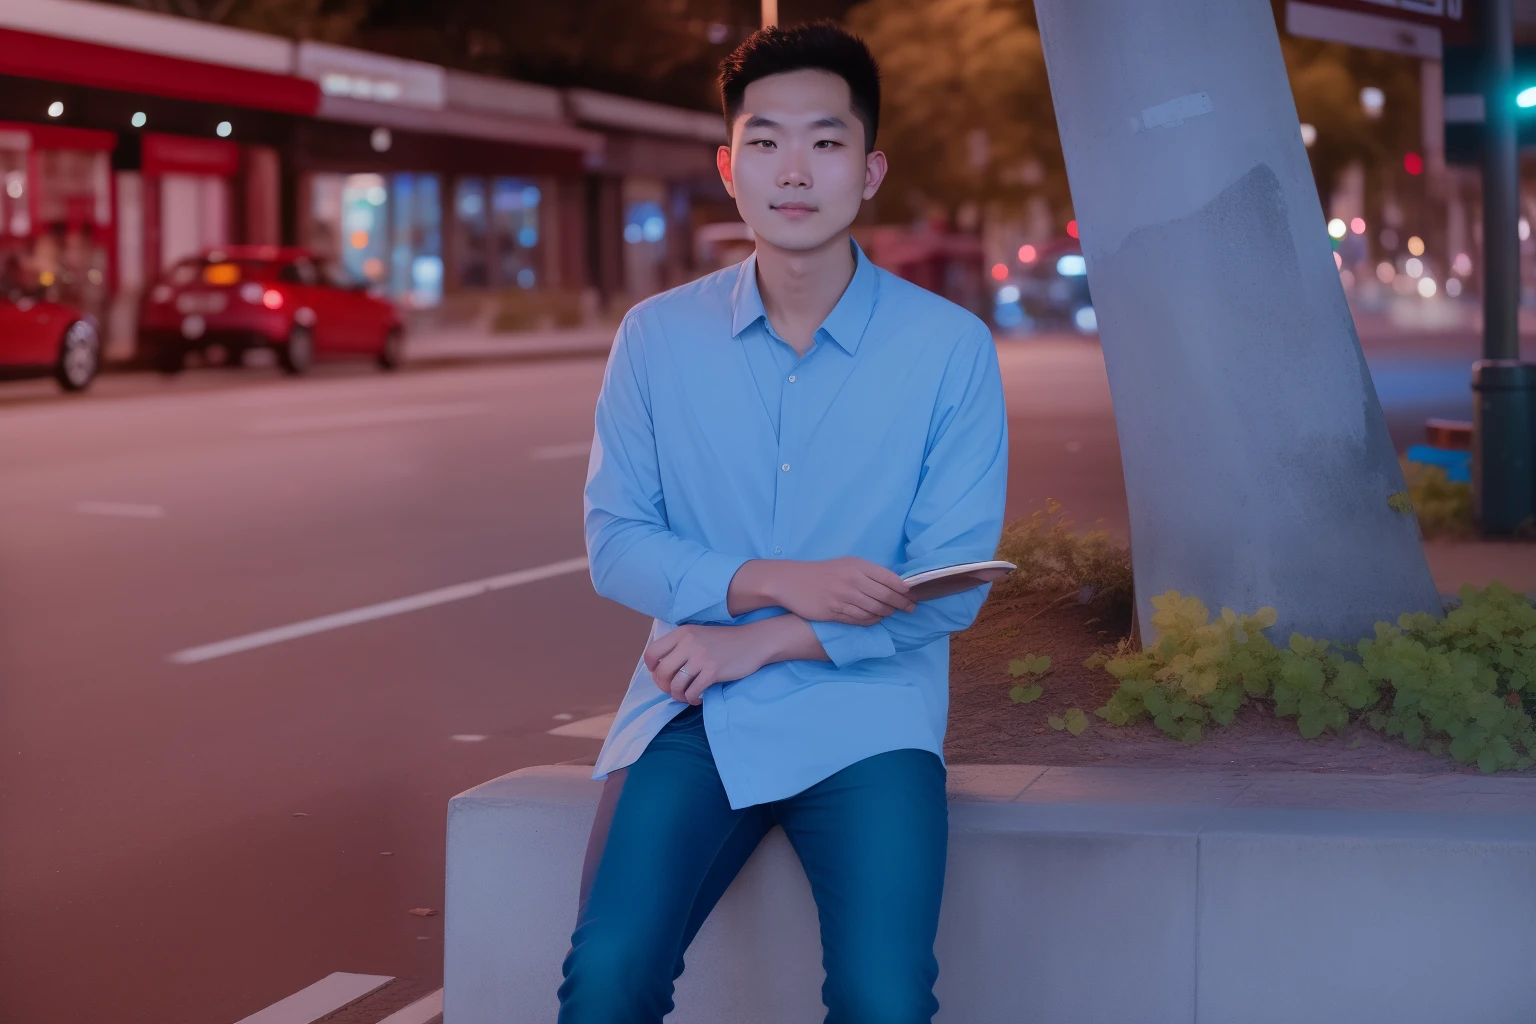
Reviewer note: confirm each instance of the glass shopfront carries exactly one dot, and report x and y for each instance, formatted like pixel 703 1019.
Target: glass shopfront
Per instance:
pixel 56 213
pixel 498 221
pixel 383 228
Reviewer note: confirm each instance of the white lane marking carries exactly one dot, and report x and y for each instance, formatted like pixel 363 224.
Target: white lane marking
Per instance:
pixel 120 508
pixel 587 729
pixel 569 450
pixel 419 1012
pixel 400 606
pixel 467 737
pixel 367 418
pixel 325 996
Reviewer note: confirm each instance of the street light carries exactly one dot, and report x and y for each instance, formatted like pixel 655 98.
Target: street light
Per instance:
pixel 1372 100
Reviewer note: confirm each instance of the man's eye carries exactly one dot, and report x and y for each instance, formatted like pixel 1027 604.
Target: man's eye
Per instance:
pixel 765 143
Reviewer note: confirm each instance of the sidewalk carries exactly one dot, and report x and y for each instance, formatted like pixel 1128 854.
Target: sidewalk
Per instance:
pixel 1480 562
pixel 470 343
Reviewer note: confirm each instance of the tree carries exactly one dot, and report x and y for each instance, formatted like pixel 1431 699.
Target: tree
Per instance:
pixel 1326 80
pixel 967 110
pixel 332 21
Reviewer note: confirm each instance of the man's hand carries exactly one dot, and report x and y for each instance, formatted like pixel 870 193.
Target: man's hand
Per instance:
pixel 709 655
pixel 851 590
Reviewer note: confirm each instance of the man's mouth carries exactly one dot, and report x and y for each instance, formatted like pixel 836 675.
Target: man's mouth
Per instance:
pixel 795 209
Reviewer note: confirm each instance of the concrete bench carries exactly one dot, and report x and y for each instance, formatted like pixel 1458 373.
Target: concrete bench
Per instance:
pixel 1075 896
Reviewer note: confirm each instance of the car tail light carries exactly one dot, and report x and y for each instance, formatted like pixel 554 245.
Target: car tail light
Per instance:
pixel 272 298
pixel 251 292
pixel 162 294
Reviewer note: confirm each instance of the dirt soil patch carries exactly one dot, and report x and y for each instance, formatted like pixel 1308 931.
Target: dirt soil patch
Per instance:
pixel 986 727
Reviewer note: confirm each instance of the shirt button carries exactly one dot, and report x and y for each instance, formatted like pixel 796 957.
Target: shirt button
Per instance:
pixel 791 378
pixel 778 551
pixel 785 467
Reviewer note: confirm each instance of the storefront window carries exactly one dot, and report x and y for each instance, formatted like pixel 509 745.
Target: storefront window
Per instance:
pixel 416 255
pixel 365 227
pixel 55 220
pixel 515 215
pixel 645 236
pixel 472 216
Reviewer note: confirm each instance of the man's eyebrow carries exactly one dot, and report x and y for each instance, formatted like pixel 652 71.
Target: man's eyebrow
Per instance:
pixel 759 121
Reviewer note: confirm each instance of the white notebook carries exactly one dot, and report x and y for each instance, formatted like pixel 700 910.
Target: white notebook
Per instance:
pixel 951 579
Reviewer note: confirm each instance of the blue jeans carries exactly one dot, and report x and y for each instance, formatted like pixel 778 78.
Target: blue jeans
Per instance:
pixel 666 844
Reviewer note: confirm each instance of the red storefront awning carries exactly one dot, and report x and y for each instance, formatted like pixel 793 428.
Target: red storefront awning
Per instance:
pixel 29 55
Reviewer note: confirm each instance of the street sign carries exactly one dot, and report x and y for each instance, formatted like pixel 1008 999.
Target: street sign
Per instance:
pixel 1417 28
pixel 1464 104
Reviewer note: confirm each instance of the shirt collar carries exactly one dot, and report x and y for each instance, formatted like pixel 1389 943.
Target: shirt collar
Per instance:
pixel 844 325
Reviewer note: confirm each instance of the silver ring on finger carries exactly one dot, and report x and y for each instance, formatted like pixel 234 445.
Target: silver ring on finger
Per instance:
pixel 684 672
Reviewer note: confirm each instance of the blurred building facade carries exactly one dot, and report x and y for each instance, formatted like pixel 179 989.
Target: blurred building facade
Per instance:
pixel 130 140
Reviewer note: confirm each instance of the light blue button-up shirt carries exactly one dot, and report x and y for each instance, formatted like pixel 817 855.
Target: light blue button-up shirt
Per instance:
pixel 717 443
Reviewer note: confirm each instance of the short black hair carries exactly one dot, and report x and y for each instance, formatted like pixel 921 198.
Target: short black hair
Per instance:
pixel 818 46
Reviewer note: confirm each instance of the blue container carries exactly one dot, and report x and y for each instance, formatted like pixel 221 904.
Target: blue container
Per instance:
pixel 1457 464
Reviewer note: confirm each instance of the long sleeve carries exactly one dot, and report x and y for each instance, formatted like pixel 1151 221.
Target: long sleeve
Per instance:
pixel 635 559
pixel 957 515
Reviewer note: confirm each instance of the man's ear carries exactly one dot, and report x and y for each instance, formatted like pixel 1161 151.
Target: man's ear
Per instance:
pixel 723 164
pixel 874 173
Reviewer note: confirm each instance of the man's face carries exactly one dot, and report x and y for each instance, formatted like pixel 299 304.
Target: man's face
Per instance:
pixel 796 164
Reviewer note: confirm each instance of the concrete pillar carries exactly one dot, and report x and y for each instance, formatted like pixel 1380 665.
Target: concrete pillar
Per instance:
pixel 1257 460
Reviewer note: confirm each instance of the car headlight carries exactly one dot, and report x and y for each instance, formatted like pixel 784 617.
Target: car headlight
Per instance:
pixel 251 292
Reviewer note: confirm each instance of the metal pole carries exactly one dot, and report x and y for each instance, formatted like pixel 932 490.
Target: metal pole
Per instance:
pixel 1504 487
pixel 1501 189
pixel 770 13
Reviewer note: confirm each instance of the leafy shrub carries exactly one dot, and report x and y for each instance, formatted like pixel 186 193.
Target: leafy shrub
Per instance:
pixel 1464 684
pixel 1444 507
pixel 536 309
pixel 1052 557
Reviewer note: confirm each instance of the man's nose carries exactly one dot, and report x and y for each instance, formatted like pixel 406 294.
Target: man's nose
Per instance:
pixel 794 173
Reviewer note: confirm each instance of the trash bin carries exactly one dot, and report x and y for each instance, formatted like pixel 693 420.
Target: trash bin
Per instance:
pixel 1504 431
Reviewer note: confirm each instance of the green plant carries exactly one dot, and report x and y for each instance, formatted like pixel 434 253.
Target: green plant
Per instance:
pixel 1073 720
pixel 1465 683
pixel 1443 507
pixel 1053 558
pixel 530 310
pixel 1030 667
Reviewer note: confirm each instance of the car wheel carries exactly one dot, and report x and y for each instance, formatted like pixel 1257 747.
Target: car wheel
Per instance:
pixel 79 357
pixel 393 352
pixel 298 353
pixel 170 359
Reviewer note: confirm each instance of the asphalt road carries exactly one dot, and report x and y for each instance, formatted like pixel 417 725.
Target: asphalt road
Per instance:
pixel 192 829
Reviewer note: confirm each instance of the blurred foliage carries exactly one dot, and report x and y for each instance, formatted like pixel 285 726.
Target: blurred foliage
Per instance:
pixel 543 309
pixel 968 105
pixel 968 115
pixel 1326 79
pixel 967 108
pixel 1443 506
pixel 329 21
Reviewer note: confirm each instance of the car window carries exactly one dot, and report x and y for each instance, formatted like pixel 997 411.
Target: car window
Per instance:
pixel 337 276
pixel 300 271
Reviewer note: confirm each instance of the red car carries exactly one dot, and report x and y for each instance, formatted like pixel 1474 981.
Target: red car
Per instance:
pixel 285 299
pixel 38 338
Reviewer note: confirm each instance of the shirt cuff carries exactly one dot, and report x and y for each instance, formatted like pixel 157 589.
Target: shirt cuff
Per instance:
pixel 846 644
pixel 703 591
